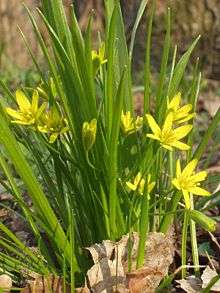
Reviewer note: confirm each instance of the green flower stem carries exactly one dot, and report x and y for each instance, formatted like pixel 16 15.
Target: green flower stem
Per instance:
pixel 144 220
pixel 194 244
pixel 168 218
pixel 144 224
pixel 184 243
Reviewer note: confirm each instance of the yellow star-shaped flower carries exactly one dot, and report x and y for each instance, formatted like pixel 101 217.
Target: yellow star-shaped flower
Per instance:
pixel 139 183
pixel 53 123
pixel 28 113
pixel 129 124
pixel 188 182
pixel 180 114
pixel 168 137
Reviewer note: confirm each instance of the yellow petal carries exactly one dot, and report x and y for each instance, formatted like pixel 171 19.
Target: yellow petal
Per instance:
pixel 185 109
pixel 187 118
pixel 153 125
pixel 190 167
pixel 22 101
pixel 151 186
pixel 29 122
pixel 14 114
pixel 182 131
pixel 180 145
pixel 175 182
pixel 153 136
pixel 199 191
pixel 131 186
pixel 168 123
pixel 175 102
pixel 166 146
pixel 53 137
pixel 35 100
pixel 187 199
pixel 199 176
pixel 42 129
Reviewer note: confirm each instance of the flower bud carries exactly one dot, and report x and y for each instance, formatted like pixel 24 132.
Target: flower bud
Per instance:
pixel 89 134
pixel 98 58
pixel 204 221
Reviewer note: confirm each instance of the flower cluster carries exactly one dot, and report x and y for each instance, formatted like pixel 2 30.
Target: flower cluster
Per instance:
pixel 139 184
pixel 129 124
pixel 41 118
pixel 169 136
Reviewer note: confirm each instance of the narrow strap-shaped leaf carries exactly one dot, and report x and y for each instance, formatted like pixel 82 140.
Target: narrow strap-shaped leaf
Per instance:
pixel 39 199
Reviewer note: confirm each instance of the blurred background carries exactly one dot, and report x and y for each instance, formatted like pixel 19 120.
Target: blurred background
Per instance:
pixel 189 18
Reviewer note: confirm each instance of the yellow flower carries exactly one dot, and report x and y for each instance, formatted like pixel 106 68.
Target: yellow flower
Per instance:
pixel 180 114
pixel 53 123
pixel 188 182
pixel 139 183
pixel 98 58
pixel 168 136
pixel 89 134
pixel 28 113
pixel 128 124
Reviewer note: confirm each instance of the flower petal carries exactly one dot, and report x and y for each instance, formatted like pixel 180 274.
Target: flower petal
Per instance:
pixel 187 118
pixel 35 100
pixel 153 125
pixel 175 182
pixel 186 199
pixel 200 176
pixel 53 137
pixel 131 186
pixel 153 136
pixel 151 187
pixel 182 131
pixel 168 123
pixel 190 167
pixel 166 146
pixel 175 102
pixel 22 101
pixel 180 145
pixel 199 191
pixel 185 109
pixel 14 114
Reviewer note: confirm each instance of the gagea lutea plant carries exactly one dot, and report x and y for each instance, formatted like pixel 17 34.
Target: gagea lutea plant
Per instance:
pixel 92 168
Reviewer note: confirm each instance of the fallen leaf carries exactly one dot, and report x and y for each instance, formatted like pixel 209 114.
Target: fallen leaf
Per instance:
pixel 5 283
pixel 207 276
pixel 211 104
pixel 3 213
pixel 110 270
pixel 190 284
pixel 46 284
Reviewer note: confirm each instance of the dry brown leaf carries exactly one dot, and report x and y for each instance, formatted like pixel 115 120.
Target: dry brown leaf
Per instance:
pixel 190 284
pixel 211 104
pixel 3 213
pixel 46 284
pixel 110 270
pixel 207 276
pixel 5 283
pixel 143 280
